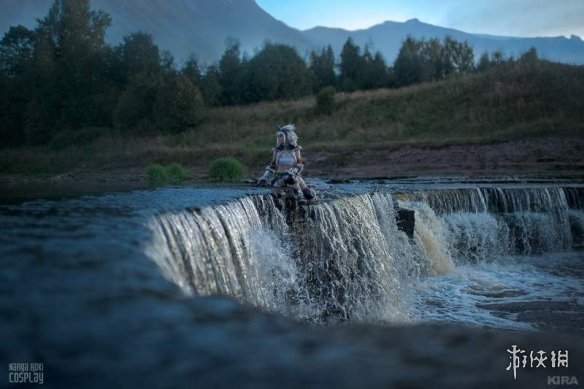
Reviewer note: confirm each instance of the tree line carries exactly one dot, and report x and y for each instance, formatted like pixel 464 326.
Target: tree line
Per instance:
pixel 62 76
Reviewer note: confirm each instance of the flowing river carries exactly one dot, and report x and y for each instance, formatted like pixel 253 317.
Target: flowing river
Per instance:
pixel 106 287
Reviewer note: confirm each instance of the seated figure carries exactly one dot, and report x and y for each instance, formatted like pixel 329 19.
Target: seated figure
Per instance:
pixel 286 165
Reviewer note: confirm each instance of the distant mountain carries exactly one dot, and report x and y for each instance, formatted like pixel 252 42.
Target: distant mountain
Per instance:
pixel 387 37
pixel 181 26
pixel 202 27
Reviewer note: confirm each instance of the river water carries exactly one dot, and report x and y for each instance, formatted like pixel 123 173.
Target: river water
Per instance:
pixel 116 283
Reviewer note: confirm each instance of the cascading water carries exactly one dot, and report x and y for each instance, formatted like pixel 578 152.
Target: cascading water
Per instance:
pixel 483 223
pixel 575 200
pixel 336 260
pixel 346 259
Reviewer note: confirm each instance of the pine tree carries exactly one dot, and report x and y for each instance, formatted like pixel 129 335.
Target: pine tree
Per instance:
pixel 374 72
pixel 409 64
pixel 351 66
pixel 210 86
pixel 322 66
pixel 192 71
pixel 231 74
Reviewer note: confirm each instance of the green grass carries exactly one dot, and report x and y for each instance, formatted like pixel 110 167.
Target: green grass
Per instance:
pixel 503 103
pixel 512 101
pixel 159 175
pixel 176 173
pixel 226 169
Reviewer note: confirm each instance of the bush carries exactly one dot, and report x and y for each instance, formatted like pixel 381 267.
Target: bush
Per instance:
pixel 176 173
pixel 226 169
pixel 159 175
pixel 325 100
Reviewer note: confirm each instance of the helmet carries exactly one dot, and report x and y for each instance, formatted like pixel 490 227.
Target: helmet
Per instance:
pixel 288 127
pixel 289 132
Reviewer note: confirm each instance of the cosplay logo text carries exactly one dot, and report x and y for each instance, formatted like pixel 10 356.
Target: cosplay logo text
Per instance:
pixel 26 373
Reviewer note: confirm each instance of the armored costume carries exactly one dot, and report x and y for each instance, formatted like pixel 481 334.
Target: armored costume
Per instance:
pixel 286 165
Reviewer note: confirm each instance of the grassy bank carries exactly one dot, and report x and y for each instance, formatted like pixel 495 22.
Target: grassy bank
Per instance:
pixel 513 101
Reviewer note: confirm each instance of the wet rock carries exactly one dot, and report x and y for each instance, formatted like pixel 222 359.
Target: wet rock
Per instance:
pixel 496 292
pixel 405 220
pixel 565 316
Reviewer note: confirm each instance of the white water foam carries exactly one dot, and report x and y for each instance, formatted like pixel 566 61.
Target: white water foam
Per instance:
pixel 458 296
pixel 346 259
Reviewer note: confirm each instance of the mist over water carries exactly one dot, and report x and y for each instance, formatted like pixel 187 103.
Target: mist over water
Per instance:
pixel 346 260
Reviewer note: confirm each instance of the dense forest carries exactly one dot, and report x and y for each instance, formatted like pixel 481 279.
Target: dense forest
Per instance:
pixel 62 80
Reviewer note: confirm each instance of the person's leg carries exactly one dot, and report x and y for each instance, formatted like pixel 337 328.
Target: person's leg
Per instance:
pixel 301 183
pixel 289 181
pixel 308 193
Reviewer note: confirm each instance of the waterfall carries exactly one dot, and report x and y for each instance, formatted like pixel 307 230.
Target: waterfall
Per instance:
pixel 233 249
pixel 346 259
pixel 575 200
pixel 483 222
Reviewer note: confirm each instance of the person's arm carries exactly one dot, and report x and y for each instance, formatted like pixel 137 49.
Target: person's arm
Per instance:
pixel 270 169
pixel 273 161
pixel 298 166
pixel 299 161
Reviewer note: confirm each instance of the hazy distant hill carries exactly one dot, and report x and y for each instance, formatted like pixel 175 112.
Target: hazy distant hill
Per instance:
pixel 387 38
pixel 180 26
pixel 202 27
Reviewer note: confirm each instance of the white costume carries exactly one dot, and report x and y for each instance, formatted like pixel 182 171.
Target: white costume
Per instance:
pixel 286 164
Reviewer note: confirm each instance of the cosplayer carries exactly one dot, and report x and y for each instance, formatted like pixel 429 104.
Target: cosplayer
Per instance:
pixel 286 165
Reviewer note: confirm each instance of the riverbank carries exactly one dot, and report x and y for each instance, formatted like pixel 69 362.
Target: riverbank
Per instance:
pixel 510 118
pixel 548 157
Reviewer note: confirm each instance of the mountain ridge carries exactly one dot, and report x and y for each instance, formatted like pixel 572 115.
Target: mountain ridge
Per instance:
pixel 202 28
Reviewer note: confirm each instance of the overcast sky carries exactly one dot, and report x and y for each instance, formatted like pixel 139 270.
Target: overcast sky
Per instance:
pixel 496 17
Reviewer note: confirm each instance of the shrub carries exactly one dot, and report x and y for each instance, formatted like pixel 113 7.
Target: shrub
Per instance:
pixel 176 173
pixel 157 174
pixel 226 169
pixel 325 100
